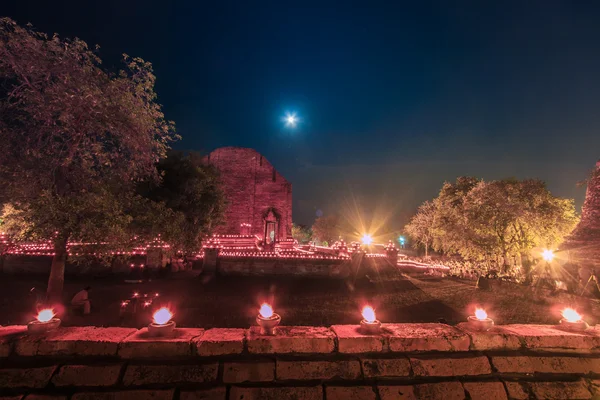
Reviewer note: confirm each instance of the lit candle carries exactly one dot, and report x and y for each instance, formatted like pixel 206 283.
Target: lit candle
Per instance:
pixel 267 319
pixel 480 321
pixel 162 324
pixel 44 321
pixel 572 321
pixel 369 324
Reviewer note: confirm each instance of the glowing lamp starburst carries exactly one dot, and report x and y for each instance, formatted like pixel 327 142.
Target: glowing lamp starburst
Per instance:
pixel 571 315
pixel 548 255
pixel 368 314
pixel 162 316
pixel 266 311
pixel 480 314
pixel 291 120
pixel 367 239
pixel 45 315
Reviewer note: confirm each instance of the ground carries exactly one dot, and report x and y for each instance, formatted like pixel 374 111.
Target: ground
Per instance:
pixel 233 302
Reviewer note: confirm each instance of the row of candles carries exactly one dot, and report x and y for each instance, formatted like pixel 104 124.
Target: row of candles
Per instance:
pixel 163 324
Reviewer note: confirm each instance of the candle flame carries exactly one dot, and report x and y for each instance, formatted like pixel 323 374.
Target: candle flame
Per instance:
pixel 571 315
pixel 266 311
pixel 45 315
pixel 162 316
pixel 480 314
pixel 368 314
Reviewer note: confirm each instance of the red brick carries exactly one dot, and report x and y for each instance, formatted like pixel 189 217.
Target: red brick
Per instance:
pixel 307 370
pixel 560 390
pixel 154 374
pixel 548 337
pixel 485 390
pixel 87 375
pixel 430 391
pixel 234 372
pixel 8 335
pixel 26 377
pixel 127 395
pixel 142 345
pixel 551 365
pixel 351 340
pixel 426 337
pixel 220 341
pixel 76 341
pixel 292 339
pixel 517 390
pixel 277 393
pixel 383 367
pixel 496 338
pixel 450 366
pixel 350 393
pixel 219 393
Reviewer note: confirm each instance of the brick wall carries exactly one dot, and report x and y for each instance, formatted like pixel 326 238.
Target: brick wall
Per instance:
pixel 252 186
pixel 407 361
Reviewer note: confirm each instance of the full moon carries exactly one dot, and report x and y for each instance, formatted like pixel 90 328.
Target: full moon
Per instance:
pixel 291 120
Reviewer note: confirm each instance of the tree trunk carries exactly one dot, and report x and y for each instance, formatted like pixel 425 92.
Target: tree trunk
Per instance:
pixel 527 265
pixel 426 249
pixel 57 271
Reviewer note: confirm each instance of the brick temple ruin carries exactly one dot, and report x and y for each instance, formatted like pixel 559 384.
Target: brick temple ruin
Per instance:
pixel 259 198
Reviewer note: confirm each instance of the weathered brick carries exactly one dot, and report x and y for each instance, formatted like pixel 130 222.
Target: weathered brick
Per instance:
pixel 351 340
pixel 26 377
pixel 8 335
pixel 547 337
pixel 427 337
pixel 220 341
pixel 76 341
pixel 87 375
pixel 306 370
pixel 126 395
pixel 430 391
pixel 595 387
pixel 517 390
pixel 450 366
pixel 383 367
pixel 485 390
pixel 496 338
pixel 219 393
pixel 560 390
pixel 136 375
pixel 350 393
pixel 44 397
pixel 19 397
pixel 291 339
pixel 276 393
pixel 142 345
pixel 235 372
pixel 551 365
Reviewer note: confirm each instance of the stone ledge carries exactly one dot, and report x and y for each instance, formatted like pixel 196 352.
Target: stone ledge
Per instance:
pixel 220 341
pixel 549 338
pixel 427 337
pixel 497 338
pixel 142 345
pixel 292 339
pixel 8 336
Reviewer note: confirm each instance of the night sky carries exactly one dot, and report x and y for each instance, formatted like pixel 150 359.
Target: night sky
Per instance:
pixel 394 99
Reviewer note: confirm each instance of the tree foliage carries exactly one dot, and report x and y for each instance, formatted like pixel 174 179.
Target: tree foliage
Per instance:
pixel 75 140
pixel 303 234
pixel 491 220
pixel 327 228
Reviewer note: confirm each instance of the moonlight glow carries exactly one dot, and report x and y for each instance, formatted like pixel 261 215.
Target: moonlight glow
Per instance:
pixel 291 120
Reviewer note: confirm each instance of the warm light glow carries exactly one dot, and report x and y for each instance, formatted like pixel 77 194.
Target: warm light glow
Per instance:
pixel 368 314
pixel 367 239
pixel 266 311
pixel 480 314
pixel 571 315
pixel 136 294
pixel 45 315
pixel 548 255
pixel 162 316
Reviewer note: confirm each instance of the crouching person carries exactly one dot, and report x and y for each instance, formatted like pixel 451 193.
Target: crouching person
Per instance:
pixel 81 300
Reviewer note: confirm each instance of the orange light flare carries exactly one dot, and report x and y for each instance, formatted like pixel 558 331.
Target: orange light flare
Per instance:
pixel 266 311
pixel 368 314
pixel 571 315
pixel 45 315
pixel 162 316
pixel 480 314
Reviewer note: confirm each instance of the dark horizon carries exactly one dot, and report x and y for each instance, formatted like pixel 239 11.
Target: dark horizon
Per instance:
pixel 393 99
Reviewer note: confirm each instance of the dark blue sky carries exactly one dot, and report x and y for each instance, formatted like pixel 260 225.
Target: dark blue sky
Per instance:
pixel 394 97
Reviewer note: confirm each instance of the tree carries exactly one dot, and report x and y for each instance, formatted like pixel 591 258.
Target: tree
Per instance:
pixel 191 190
pixel 76 139
pixel 326 229
pixel 421 226
pixel 301 233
